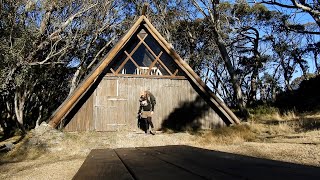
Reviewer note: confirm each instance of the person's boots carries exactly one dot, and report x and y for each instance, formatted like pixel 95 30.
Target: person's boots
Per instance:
pixel 152 131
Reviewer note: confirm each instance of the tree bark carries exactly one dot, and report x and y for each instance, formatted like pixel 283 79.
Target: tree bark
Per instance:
pixel 19 105
pixel 316 63
pixel 256 66
pixel 233 75
pixel 39 117
pixel 74 81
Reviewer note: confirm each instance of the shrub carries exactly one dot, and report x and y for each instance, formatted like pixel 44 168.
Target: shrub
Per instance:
pixel 305 98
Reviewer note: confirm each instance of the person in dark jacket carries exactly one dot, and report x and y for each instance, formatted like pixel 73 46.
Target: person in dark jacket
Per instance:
pixel 147 104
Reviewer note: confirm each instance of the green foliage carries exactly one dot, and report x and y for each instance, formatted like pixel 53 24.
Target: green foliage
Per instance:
pixel 263 109
pixel 241 9
pixel 224 6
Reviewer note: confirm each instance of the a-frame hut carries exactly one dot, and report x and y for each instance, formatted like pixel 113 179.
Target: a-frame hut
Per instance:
pixel 107 100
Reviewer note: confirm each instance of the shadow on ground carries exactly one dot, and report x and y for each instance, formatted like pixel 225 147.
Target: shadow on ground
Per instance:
pixel 300 124
pixel 186 162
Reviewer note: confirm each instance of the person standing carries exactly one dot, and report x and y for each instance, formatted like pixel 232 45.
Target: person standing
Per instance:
pixel 147 104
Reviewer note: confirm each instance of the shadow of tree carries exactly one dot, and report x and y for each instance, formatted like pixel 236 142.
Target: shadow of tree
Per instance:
pixel 300 124
pixel 307 124
pixel 187 116
pixel 9 146
pixel 22 152
pixel 312 124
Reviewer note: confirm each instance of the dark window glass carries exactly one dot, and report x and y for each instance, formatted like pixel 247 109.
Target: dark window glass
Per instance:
pixel 169 62
pixel 129 68
pixel 133 43
pixel 117 61
pixel 143 57
pixel 153 44
pixel 158 69
pixel 180 73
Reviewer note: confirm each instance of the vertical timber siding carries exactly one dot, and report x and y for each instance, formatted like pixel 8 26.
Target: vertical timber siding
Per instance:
pixel 114 104
pixel 83 119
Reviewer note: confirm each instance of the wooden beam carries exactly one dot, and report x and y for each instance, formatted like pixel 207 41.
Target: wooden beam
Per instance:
pixel 152 64
pixel 149 76
pixel 132 60
pixel 176 72
pixel 112 71
pixel 144 8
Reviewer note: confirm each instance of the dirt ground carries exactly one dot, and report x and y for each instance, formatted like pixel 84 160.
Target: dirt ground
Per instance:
pixel 51 154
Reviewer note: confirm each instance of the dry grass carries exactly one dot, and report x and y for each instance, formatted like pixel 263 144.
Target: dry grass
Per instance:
pixel 290 137
pixel 227 135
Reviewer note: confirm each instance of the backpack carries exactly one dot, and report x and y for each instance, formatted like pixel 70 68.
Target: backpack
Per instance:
pixel 151 98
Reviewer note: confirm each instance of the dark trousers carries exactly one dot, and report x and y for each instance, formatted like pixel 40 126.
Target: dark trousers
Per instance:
pixel 148 122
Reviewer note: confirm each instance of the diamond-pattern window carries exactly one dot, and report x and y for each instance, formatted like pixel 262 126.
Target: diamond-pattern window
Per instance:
pixel 143 55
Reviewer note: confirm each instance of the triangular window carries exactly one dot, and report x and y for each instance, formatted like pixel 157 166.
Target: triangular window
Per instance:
pixel 143 55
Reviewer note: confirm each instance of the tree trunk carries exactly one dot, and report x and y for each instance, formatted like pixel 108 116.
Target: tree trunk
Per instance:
pixel 74 81
pixel 253 91
pixel 257 61
pixel 286 78
pixel 39 117
pixel 316 62
pixel 233 76
pixel 19 104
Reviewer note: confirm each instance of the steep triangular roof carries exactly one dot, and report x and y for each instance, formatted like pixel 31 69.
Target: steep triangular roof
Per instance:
pixel 227 115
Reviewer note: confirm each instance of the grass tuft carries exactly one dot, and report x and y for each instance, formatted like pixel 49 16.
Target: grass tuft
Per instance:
pixel 228 135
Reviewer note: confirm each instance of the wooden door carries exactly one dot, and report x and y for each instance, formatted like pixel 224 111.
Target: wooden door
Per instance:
pixel 109 106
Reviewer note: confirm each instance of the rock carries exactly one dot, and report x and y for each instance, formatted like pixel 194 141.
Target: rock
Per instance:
pixel 45 135
pixel 7 147
pixel 44 127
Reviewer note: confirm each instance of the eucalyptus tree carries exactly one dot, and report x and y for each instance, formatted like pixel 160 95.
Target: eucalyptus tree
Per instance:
pixel 16 43
pixel 312 51
pixel 269 86
pixel 219 23
pixel 50 42
pixel 163 14
pixel 249 44
pixel 310 7
pixel 189 41
pixel 288 51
